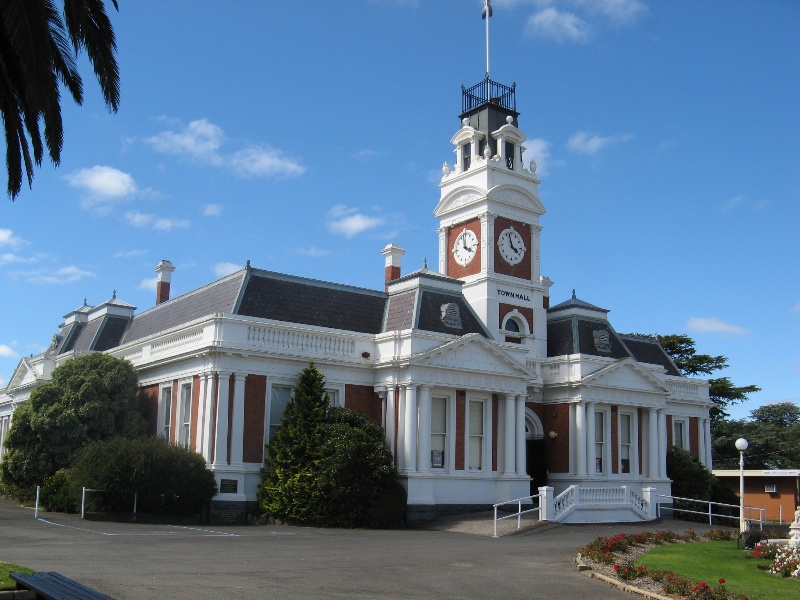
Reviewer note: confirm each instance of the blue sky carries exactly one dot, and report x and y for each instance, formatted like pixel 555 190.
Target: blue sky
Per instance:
pixel 305 136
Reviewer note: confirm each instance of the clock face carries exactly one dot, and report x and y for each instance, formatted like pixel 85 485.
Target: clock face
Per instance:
pixel 511 245
pixel 465 248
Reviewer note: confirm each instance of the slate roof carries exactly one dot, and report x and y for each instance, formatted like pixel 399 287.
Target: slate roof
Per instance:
pixel 646 349
pixel 309 302
pixel 217 296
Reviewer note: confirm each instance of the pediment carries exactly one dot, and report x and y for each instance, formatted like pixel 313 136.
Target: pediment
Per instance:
pixel 517 197
pixel 25 374
pixel 473 353
pixel 513 196
pixel 459 198
pixel 626 375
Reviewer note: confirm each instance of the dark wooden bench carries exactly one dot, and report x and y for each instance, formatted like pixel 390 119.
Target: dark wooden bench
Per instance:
pixel 54 586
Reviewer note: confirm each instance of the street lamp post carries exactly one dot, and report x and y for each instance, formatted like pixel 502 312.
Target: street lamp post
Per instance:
pixel 741 446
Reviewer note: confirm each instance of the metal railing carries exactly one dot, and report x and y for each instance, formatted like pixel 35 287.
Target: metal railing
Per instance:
pixel 517 514
pixel 710 512
pixel 488 91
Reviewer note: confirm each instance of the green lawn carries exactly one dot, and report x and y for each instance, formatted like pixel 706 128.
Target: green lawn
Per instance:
pixel 6 583
pixel 710 561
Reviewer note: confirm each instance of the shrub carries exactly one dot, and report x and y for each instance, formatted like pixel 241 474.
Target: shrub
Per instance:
pixel 168 479
pixel 787 562
pixel 58 493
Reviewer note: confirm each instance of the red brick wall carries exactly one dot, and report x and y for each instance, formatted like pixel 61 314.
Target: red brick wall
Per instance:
pixel 255 397
pixel 694 442
pixel 363 399
pixel 461 399
pixel 556 418
pixel 669 433
pixel 495 405
pixel 523 268
pixel 150 395
pixel 527 313
pixel 454 269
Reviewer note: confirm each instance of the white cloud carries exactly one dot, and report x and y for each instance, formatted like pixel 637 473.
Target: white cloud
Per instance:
pixel 8 258
pixel 149 284
pixel 69 274
pixel 202 141
pixel 366 154
pixel 561 27
pixel 7 352
pixel 7 238
pixel 212 210
pixel 742 201
pixel 221 269
pixel 585 142
pixel 538 149
pixel 258 160
pixel 129 253
pixel 621 12
pixel 138 219
pixel 312 251
pixel 795 309
pixel 103 187
pixel 715 325
pixel 349 222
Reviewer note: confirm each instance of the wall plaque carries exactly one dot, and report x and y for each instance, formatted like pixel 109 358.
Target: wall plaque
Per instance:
pixel 229 486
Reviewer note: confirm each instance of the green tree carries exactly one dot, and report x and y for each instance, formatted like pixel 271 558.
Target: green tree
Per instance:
pixel 723 393
pixel 91 397
pixel 773 436
pixel 38 51
pixel 290 488
pixel 690 479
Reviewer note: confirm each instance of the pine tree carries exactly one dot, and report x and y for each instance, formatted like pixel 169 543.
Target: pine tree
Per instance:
pixel 289 488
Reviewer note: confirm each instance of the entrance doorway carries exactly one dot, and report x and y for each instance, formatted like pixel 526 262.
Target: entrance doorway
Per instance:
pixel 535 449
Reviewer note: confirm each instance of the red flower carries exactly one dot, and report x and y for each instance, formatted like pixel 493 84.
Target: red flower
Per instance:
pixel 722 581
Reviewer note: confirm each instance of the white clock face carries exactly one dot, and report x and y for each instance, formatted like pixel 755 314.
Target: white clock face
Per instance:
pixel 511 245
pixel 465 248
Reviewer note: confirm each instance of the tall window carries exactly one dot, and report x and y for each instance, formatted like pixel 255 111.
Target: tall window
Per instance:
pixel 625 436
pixel 166 404
pixel 279 398
pixel 599 441
pixel 678 432
pixel 467 156
pixel 438 432
pixel 475 434
pixel 186 414
pixel 510 155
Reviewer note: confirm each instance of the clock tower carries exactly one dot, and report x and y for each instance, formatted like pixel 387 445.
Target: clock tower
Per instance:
pixel 489 219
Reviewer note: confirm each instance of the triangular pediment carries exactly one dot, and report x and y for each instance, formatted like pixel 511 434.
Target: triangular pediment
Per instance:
pixel 474 354
pixel 24 374
pixel 513 196
pixel 626 374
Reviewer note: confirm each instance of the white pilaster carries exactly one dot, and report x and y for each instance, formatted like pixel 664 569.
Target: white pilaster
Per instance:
pixel 580 435
pixel 573 441
pixel 701 442
pixel 410 429
pixel 509 435
pixel 662 443
pixel 522 468
pixel 424 456
pixel 591 449
pixel 709 457
pixel 400 404
pixel 202 416
pixel 237 426
pixel 652 443
pixel 221 428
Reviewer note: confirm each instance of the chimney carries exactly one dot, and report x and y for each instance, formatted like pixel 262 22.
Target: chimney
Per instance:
pixel 393 254
pixel 164 270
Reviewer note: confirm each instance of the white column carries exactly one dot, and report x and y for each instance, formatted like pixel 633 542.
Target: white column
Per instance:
pixel 424 455
pixel 591 448
pixel 701 442
pixel 522 468
pixel 400 403
pixel 221 428
pixel 237 426
pixel 580 435
pixel 662 443
pixel 635 444
pixel 509 436
pixel 573 444
pixel 390 415
pixel 652 443
pixel 709 456
pixel 410 430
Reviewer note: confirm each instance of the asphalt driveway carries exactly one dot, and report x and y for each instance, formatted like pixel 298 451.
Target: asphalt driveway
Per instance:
pixel 140 562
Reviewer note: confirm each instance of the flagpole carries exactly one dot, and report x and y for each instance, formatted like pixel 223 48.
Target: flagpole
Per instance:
pixel 488 16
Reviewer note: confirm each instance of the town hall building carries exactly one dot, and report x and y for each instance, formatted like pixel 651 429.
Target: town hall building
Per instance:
pixel 485 390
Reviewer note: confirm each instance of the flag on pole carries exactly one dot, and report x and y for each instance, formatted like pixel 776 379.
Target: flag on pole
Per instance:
pixel 487 9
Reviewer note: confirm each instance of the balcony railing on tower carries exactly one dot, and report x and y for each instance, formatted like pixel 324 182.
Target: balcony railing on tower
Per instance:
pixel 488 91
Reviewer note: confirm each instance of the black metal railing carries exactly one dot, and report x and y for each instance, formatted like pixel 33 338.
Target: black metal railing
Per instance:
pixel 488 91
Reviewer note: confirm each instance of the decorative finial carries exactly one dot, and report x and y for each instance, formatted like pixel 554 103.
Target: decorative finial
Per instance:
pixel 445 169
pixel 424 263
pixel 114 295
pixel 84 302
pixel 509 119
pixel 247 265
pixel 487 152
pixel 533 166
pixel 464 122
pixel 573 294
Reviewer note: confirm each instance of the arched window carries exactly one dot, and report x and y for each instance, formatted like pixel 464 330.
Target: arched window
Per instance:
pixel 512 325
